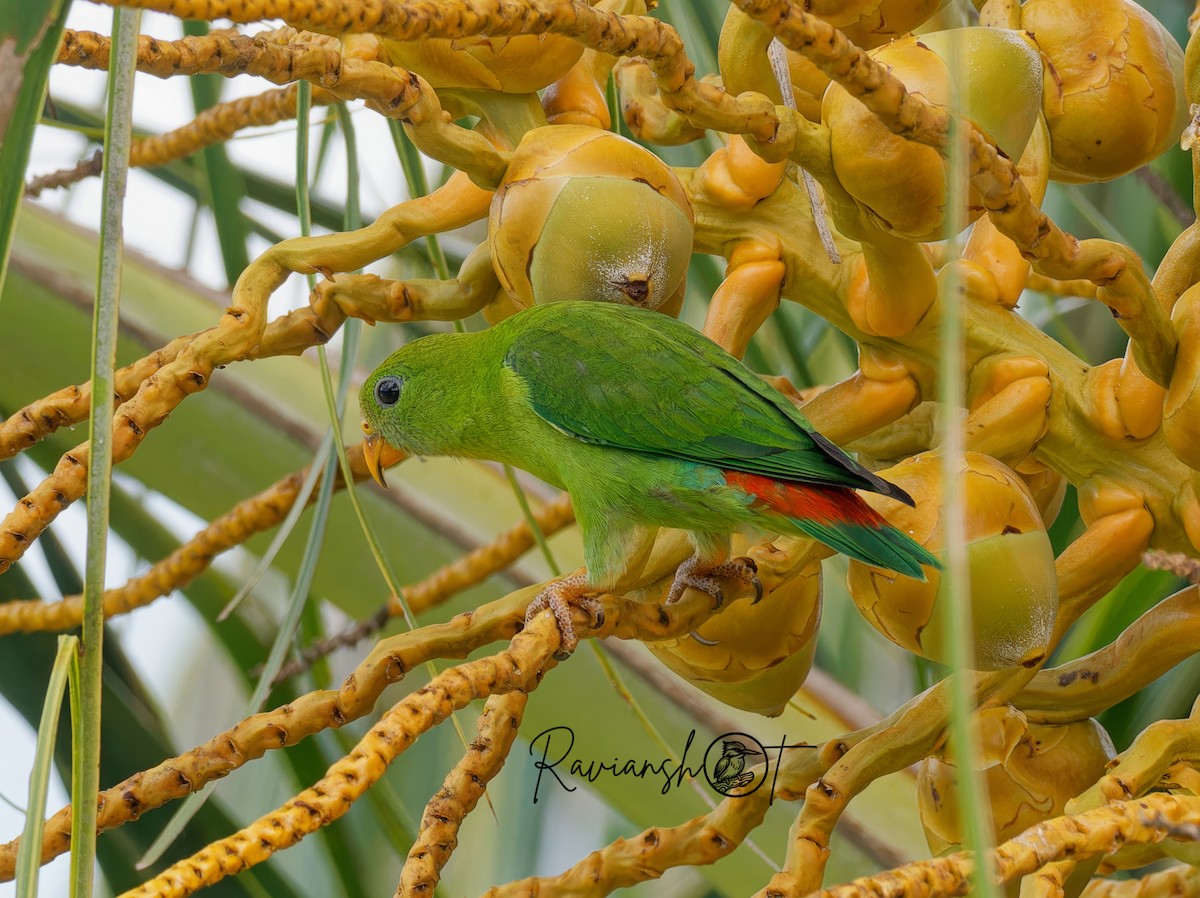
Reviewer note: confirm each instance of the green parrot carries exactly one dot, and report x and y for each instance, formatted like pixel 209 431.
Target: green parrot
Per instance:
pixel 646 423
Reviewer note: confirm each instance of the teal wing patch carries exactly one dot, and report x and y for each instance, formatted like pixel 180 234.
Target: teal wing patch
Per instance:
pixel 641 381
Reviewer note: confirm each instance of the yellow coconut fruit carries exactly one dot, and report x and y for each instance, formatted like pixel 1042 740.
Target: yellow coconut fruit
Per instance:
pixel 1191 80
pixel 585 214
pixel 1114 93
pixel 753 657
pixel 903 183
pixel 742 55
pixel 1014 588
pixel 888 20
pixel 1047 487
pixel 1181 425
pixel 519 64
pixel 1031 772
pixel 809 84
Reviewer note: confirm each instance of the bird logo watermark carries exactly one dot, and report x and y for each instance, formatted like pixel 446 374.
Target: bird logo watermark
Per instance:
pixel 736 763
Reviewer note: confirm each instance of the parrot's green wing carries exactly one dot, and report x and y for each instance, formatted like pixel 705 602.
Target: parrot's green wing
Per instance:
pixel 641 381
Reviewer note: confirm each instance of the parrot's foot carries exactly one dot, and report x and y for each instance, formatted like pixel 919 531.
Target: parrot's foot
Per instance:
pixel 558 597
pixel 696 574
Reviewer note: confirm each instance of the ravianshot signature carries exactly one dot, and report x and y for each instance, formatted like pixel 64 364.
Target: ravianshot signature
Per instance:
pixel 734 764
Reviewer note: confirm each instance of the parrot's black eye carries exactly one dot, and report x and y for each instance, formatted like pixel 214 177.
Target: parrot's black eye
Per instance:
pixel 387 391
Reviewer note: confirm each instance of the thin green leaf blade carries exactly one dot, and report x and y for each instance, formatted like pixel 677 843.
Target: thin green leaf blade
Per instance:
pixel 118 133
pixel 29 855
pixel 226 186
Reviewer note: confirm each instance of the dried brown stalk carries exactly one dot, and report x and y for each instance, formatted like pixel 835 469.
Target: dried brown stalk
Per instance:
pixel 88 168
pixel 1178 563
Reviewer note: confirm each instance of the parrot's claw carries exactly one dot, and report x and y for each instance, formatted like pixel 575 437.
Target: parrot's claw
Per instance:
pixel 693 573
pixel 558 597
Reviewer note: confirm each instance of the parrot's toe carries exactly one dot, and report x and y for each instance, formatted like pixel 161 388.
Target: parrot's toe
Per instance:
pixel 695 574
pixel 558 597
pixel 686 577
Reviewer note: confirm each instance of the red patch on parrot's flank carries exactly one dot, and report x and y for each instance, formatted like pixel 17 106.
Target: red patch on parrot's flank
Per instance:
pixel 807 501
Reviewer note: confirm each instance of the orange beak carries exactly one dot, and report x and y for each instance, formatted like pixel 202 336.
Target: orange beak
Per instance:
pixel 373 446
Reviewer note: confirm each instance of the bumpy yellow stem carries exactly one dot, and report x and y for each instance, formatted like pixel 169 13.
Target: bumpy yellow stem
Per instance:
pixel 833 53
pixel 645 112
pixel 255 736
pixel 904 738
pixel 1100 831
pixel 461 790
pixel 704 105
pixel 154 401
pixel 71 405
pixel 219 123
pixel 247 518
pixel 290 334
pixel 485 561
pixel 214 125
pixel 241 334
pixel 650 854
pixel 472 568
pixel 1145 763
pixel 174 572
pixel 709 837
pixel 1149 647
pixel 390 660
pixel 1182 881
pixel 372 298
pixel 578 98
pixel 286 55
pixel 519 667
pixel 1114 268
pixel 279 56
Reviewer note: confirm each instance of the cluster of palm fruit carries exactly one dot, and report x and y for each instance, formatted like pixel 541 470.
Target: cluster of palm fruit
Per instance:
pixel 851 146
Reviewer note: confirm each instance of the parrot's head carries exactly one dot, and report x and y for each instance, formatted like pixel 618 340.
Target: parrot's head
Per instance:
pixel 407 402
